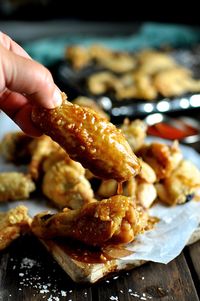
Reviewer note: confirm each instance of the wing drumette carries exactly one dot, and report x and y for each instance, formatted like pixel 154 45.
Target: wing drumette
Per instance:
pixel 90 139
pixel 114 220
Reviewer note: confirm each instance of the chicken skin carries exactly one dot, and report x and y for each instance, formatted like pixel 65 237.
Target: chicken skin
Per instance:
pixel 66 186
pixel 13 223
pixel 161 157
pixel 90 139
pixel 113 220
pixel 183 185
pixel 15 186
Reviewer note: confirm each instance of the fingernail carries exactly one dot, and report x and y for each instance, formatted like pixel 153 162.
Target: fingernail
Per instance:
pixel 57 98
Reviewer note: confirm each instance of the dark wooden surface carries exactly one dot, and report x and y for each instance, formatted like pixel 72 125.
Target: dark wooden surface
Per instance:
pixel 28 273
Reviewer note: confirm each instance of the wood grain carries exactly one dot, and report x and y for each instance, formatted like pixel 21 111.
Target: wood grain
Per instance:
pixel 153 282
pixel 45 280
pixel 194 251
pixel 192 255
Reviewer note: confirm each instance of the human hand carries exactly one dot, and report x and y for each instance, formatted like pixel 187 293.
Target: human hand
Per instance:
pixel 24 82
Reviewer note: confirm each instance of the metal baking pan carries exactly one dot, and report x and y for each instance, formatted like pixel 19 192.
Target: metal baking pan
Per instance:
pixel 73 82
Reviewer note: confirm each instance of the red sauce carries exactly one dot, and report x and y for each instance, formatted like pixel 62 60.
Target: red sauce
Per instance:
pixel 167 131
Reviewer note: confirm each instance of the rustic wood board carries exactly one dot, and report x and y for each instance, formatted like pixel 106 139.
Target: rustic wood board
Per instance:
pixel 172 282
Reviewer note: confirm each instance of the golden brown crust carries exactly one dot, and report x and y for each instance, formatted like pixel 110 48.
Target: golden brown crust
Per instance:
pixel 40 148
pixel 15 186
pixel 66 186
pixel 12 224
pixel 115 220
pixel 90 139
pixel 14 147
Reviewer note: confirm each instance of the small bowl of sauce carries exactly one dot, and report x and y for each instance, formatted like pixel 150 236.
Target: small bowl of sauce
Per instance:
pixel 184 129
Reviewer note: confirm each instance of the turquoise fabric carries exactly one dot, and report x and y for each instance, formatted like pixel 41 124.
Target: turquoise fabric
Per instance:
pixel 48 50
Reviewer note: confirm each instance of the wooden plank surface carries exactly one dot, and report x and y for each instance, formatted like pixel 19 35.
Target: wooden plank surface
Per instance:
pixel 152 282
pixel 193 259
pixel 29 273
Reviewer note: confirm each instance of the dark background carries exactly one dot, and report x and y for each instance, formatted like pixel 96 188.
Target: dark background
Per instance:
pixel 185 12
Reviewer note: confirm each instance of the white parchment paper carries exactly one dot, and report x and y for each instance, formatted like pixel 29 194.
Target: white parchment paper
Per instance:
pixel 163 243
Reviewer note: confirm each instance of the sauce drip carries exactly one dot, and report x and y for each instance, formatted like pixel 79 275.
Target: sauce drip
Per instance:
pixel 87 254
pixel 120 188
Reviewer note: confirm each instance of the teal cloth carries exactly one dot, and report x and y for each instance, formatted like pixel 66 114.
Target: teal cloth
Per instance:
pixel 49 50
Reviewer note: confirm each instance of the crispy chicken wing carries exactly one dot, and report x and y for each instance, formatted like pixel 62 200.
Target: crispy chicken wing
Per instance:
pixel 78 56
pixel 90 139
pixel 151 61
pixel 134 132
pixel 40 148
pixel 12 224
pixel 15 186
pixel 66 186
pixel 115 220
pixel 14 147
pixel 161 157
pixel 103 82
pixel 61 156
pixel 182 185
pixel 175 81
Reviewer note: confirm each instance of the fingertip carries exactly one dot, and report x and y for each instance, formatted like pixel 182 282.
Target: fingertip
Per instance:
pixel 56 100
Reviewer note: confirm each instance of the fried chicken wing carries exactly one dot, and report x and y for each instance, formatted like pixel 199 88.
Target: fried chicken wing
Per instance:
pixel 151 61
pixel 15 186
pixel 78 56
pixel 161 157
pixel 118 62
pixel 90 139
pixel 40 148
pixel 14 147
pixel 115 220
pixel 146 173
pixel 181 186
pixel 175 81
pixel 146 194
pixel 143 192
pixel 66 186
pixel 103 82
pixel 61 156
pixel 12 224
pixel 134 132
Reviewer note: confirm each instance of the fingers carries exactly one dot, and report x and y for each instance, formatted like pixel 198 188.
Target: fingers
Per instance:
pixel 18 108
pixel 28 77
pixel 11 45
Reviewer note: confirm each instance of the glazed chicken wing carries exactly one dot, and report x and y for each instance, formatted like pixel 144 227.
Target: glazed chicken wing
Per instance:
pixel 161 157
pixel 90 139
pixel 115 220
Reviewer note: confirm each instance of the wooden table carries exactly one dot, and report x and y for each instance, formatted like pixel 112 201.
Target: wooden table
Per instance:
pixel 28 273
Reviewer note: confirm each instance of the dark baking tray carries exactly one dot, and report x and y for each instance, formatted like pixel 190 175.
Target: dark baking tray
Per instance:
pixel 73 83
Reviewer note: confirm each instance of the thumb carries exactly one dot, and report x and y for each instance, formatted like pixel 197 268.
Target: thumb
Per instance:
pixel 25 76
